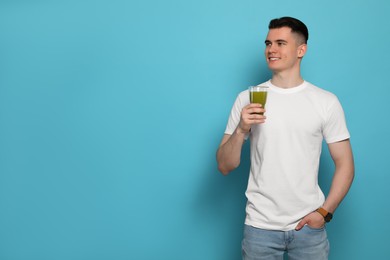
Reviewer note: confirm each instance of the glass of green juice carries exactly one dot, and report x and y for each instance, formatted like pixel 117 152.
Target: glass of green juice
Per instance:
pixel 258 94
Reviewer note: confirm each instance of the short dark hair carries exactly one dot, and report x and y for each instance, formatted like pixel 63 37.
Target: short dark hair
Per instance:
pixel 294 24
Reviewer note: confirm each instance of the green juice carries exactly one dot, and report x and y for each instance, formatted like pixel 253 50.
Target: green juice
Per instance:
pixel 258 97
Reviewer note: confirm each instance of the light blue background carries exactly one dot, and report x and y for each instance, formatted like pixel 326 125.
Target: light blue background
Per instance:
pixel 111 112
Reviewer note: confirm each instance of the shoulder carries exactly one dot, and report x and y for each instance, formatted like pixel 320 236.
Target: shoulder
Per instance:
pixel 242 100
pixel 243 95
pixel 321 94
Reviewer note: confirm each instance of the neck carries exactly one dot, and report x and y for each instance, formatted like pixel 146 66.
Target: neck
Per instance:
pixel 286 82
pixel 287 79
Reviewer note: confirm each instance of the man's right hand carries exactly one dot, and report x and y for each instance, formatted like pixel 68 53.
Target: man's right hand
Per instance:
pixel 250 115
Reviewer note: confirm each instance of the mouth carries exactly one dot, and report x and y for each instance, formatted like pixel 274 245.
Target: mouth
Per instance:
pixel 273 58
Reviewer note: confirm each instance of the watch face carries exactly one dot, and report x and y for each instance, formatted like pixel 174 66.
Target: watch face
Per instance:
pixel 328 217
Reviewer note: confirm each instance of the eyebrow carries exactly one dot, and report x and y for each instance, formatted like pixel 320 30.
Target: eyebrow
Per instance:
pixel 277 41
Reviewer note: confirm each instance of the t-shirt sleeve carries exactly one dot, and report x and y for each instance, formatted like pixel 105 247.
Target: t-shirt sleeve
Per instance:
pixel 235 113
pixel 335 128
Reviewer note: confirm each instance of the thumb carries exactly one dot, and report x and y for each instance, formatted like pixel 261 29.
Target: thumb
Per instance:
pixel 301 224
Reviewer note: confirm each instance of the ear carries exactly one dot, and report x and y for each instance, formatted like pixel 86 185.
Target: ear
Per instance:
pixel 302 50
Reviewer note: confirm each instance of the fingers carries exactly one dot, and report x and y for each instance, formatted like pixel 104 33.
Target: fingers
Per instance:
pixel 253 114
pixel 254 118
pixel 253 108
pixel 314 220
pixel 301 224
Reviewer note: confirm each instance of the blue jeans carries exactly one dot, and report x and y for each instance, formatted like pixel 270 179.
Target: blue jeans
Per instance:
pixel 306 244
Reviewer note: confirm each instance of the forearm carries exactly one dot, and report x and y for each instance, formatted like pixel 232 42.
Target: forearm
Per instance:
pixel 341 183
pixel 343 175
pixel 229 152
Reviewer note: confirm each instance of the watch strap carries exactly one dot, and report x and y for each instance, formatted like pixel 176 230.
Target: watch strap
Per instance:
pixel 323 212
pixel 327 215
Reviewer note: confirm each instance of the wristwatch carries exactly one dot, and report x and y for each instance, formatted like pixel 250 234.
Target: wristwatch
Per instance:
pixel 327 215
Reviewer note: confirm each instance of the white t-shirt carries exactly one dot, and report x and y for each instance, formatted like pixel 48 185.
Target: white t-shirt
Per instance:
pixel 285 153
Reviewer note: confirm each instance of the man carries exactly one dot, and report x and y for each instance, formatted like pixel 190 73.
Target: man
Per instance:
pixel 286 210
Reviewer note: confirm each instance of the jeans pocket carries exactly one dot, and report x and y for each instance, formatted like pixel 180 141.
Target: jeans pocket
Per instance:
pixel 315 228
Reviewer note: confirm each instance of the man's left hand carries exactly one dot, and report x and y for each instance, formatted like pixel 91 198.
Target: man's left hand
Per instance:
pixel 314 220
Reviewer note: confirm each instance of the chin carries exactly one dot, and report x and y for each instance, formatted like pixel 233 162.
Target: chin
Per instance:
pixel 273 67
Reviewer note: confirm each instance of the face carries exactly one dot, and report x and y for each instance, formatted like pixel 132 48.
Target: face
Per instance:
pixel 283 49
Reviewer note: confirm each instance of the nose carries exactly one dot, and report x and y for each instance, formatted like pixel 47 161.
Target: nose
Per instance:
pixel 271 48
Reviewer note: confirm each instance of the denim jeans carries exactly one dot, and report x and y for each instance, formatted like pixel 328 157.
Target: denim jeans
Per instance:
pixel 305 244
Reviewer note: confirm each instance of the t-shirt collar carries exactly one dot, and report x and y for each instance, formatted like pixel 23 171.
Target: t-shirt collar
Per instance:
pixel 287 90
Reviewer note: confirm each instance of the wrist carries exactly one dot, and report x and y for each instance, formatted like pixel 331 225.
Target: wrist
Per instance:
pixel 325 214
pixel 242 131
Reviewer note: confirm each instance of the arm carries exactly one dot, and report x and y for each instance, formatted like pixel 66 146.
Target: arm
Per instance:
pixel 341 154
pixel 229 151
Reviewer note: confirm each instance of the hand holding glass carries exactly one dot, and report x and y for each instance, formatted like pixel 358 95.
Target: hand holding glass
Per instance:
pixel 258 94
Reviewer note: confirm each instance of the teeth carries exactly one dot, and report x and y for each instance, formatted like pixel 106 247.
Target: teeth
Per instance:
pixel 273 58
